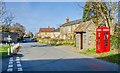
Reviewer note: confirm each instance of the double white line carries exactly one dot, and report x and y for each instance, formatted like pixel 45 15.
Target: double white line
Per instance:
pixel 10 66
pixel 19 66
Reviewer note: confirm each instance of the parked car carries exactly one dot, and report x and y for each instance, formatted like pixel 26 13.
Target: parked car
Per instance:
pixel 28 40
pixel 34 40
pixel 24 40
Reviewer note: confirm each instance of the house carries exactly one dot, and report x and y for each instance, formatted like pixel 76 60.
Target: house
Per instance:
pixel 56 33
pixel 86 35
pixel 48 33
pixel 67 29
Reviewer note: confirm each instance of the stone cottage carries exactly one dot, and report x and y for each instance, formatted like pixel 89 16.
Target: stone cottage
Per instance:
pixel 86 35
pixel 67 29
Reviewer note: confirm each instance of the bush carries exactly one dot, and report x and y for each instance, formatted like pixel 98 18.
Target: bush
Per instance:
pixel 57 42
pixel 114 42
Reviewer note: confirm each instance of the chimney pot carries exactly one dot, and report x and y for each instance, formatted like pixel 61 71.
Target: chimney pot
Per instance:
pixel 67 19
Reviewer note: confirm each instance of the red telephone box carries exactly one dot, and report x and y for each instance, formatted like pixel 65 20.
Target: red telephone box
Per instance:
pixel 102 39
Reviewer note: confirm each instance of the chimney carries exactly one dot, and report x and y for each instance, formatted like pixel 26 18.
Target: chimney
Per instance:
pixel 67 19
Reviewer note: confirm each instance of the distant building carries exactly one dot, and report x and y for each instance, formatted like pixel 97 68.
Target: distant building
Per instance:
pixel 49 29
pixel 67 29
pixel 48 33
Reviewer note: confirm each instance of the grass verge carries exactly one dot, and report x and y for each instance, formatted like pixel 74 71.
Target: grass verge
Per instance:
pixel 112 56
pixel 4 51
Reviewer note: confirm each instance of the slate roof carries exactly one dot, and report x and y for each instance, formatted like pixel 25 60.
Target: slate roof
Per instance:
pixel 83 26
pixel 72 22
pixel 57 30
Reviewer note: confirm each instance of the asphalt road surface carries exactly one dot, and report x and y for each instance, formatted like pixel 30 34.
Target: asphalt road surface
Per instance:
pixel 40 57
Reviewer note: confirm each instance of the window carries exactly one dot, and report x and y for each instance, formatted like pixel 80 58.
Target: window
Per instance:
pixel 105 39
pixel 98 40
pixel 69 28
pixel 73 27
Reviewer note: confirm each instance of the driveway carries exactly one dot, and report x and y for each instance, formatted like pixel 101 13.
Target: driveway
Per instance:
pixel 41 57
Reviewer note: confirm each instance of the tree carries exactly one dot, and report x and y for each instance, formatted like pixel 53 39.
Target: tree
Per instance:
pixel 20 29
pixel 94 10
pixel 118 29
pixel 101 13
pixel 30 34
pixel 6 17
pixel 113 14
pixel 4 28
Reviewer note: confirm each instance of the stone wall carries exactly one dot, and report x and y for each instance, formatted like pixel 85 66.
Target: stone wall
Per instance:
pixel 88 29
pixel 67 32
pixel 49 34
pixel 78 36
pixel 89 40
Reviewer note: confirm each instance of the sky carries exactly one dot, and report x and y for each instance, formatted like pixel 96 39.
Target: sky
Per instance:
pixel 35 15
pixel 59 0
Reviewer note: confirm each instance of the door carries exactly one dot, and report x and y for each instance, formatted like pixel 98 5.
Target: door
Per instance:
pixel 81 40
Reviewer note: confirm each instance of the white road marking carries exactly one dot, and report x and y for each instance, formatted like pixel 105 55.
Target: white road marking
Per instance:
pixel 18 62
pixel 18 65
pixel 17 57
pixel 10 66
pixel 11 59
pixel 10 69
pixel 20 69
pixel 10 62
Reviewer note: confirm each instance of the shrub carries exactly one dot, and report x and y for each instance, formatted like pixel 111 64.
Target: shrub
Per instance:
pixel 114 42
pixel 57 42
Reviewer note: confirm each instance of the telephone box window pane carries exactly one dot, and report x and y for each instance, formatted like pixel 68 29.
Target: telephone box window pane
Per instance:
pixel 105 39
pixel 98 40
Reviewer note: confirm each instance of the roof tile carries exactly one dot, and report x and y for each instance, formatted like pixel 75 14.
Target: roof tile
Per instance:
pixel 46 29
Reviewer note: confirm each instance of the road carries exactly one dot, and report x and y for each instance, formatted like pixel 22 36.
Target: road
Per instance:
pixel 40 57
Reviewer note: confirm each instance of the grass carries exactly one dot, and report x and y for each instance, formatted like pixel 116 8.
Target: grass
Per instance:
pixel 112 56
pixel 4 51
pixel 89 51
pixel 3 48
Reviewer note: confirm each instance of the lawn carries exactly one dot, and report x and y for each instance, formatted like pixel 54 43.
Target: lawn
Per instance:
pixel 3 51
pixel 112 56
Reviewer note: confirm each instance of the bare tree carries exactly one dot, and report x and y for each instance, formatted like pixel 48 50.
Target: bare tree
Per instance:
pixel 2 11
pixel 6 17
